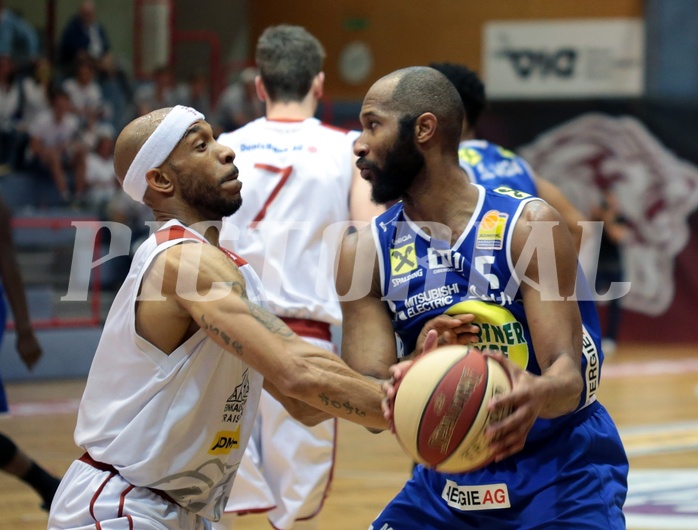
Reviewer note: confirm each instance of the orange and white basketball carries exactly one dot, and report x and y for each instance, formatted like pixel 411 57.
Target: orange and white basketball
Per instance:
pixel 441 412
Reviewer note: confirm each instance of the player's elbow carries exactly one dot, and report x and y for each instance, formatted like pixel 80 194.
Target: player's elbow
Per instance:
pixel 296 382
pixel 307 415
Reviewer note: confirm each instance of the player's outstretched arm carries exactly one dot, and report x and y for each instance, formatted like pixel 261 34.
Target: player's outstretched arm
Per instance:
pixel 206 287
pixel 28 346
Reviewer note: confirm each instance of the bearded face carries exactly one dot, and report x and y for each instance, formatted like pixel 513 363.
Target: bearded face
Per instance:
pixel 205 195
pixel 403 162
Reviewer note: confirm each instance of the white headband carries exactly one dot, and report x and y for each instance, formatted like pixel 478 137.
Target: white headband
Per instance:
pixel 157 148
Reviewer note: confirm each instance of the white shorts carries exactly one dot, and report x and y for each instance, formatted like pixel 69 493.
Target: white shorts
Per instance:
pixel 287 467
pixel 88 496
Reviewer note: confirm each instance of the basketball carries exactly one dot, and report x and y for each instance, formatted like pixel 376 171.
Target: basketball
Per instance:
pixel 440 408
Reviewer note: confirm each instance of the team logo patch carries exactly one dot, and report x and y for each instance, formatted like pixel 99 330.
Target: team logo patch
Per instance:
pixel 499 329
pixel 509 192
pixel 403 259
pixel 224 442
pixel 490 232
pixel 469 156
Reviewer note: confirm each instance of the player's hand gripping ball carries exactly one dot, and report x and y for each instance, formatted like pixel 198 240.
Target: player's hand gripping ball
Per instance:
pixel 440 410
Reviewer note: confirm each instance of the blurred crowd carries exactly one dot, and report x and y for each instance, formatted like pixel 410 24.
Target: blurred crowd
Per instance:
pixel 59 118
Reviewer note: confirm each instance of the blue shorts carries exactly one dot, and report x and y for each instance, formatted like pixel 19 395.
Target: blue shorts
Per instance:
pixel 576 479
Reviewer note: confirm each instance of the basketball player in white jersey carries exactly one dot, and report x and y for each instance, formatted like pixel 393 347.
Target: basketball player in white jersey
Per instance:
pixel 301 183
pixel 173 390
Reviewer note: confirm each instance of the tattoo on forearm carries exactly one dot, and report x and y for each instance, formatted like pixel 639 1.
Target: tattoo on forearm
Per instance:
pixel 269 321
pixel 348 407
pixel 223 335
pixel 209 327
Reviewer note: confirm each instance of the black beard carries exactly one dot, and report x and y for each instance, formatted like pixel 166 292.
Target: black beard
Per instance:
pixel 403 163
pixel 205 198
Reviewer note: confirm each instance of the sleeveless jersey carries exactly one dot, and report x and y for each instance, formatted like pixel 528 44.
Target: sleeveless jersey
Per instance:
pixel 423 277
pixel 296 178
pixel 491 165
pixel 180 422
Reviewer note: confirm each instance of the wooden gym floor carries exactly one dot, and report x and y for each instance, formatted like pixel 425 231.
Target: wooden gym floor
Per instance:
pixel 651 392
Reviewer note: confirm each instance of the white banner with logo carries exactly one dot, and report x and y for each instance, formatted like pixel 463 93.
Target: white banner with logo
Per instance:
pixel 564 58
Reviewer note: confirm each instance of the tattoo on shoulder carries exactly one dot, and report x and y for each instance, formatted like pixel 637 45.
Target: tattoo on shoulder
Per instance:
pixel 348 408
pixel 238 287
pixel 269 321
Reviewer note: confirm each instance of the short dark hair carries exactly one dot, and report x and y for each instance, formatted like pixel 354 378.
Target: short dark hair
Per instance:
pixel 288 58
pixel 470 89
pixel 421 89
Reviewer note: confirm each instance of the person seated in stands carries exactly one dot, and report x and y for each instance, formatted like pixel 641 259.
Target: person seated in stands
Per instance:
pixel 159 93
pixel 35 88
pixel 10 114
pixel 18 38
pixel 86 95
pixel 99 171
pixel 239 103
pixel 54 148
pixel 83 37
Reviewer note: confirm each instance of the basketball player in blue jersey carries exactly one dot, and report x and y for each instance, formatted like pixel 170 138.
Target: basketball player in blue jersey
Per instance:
pixel 499 257
pixel 492 165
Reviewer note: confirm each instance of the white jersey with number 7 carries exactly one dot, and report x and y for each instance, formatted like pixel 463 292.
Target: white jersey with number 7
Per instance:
pixel 284 164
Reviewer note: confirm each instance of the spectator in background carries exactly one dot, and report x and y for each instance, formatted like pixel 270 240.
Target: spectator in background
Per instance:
pixel 10 114
pixel 610 269
pixel 54 149
pixel 100 178
pixel 18 38
pixel 87 103
pixel 85 94
pixel 239 104
pixel 83 37
pixel 12 459
pixel 36 89
pixel 159 93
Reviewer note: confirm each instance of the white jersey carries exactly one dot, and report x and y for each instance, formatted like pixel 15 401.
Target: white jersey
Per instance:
pixel 177 423
pixel 296 179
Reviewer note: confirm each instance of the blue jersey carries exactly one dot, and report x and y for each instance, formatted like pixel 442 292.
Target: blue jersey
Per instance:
pixel 491 165
pixel 422 278
pixel 572 472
